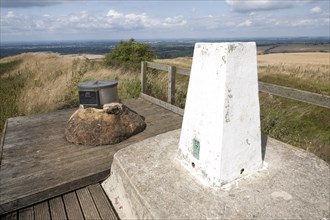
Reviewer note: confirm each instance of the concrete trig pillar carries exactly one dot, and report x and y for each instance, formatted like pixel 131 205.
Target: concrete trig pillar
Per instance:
pixel 220 139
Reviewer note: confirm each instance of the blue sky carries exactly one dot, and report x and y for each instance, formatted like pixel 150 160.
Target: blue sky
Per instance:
pixel 34 20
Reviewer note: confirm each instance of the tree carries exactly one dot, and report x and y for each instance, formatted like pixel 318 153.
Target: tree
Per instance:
pixel 129 54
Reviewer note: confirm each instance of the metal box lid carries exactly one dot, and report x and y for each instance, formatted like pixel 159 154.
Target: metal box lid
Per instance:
pixel 97 84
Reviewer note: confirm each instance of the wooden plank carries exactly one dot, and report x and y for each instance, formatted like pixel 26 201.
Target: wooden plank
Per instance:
pixel 143 76
pixel 34 170
pixel 67 156
pixel 165 67
pixel 41 211
pixel 102 202
pixel 72 206
pixel 158 66
pixel 3 139
pixel 57 210
pixel 295 94
pixel 290 93
pixel 10 216
pixel 87 204
pixel 171 85
pixel 26 214
pixel 163 104
pixel 50 192
pixel 183 71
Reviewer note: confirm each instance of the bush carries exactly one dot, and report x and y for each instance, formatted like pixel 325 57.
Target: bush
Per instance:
pixel 129 54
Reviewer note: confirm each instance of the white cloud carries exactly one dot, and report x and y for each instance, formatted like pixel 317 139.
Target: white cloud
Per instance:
pixel 120 20
pixel 127 21
pixel 304 22
pixel 257 5
pixel 246 23
pixel 114 14
pixel 310 22
pixel 86 22
pixel 316 10
pixel 10 14
pixel 175 21
pixel 119 23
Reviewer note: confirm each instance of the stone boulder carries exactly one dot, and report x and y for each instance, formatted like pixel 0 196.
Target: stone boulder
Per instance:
pixel 110 125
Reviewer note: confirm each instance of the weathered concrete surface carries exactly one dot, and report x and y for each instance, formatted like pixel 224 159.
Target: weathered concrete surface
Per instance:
pixel 147 181
pixel 221 123
pixel 110 125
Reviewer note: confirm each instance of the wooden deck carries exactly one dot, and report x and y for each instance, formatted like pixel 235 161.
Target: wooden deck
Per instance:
pixel 86 203
pixel 37 162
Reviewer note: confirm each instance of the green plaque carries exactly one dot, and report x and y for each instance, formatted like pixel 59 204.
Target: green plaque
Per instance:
pixel 196 148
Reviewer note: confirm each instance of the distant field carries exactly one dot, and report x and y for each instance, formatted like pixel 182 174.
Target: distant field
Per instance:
pixel 295 58
pixel 297 48
pixel 307 71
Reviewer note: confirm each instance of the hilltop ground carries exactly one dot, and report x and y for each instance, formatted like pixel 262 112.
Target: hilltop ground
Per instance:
pixel 40 82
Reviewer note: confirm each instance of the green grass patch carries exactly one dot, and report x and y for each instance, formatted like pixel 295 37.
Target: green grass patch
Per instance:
pixel 313 79
pixel 9 66
pixel 296 83
pixel 129 88
pixel 299 124
pixel 10 90
pixel 181 88
pixel 156 85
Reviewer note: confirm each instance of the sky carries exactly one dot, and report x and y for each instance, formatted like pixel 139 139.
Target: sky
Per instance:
pixel 56 20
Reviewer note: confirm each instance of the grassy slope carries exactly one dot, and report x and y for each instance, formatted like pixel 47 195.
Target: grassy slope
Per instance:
pixel 10 90
pixel 32 83
pixel 39 82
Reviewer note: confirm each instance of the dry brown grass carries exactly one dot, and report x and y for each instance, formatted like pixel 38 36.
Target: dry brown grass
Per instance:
pixel 295 58
pixel 179 61
pixel 51 79
pixel 307 71
pixel 47 76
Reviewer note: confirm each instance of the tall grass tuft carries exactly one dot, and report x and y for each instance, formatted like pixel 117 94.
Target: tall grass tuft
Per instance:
pixel 10 91
pixel 299 124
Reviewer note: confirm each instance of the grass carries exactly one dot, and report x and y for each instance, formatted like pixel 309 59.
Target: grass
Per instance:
pixel 299 124
pixel 10 91
pixel 38 82
pixel 8 66
pixel 42 82
pixel 305 71
pixel 310 78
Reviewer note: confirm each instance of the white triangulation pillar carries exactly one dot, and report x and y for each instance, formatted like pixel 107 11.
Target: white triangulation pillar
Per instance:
pixel 220 139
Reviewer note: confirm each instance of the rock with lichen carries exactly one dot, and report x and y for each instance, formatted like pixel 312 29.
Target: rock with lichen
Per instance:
pixel 110 125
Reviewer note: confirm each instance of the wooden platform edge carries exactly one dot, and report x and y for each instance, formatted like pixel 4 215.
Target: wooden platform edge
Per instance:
pixel 3 139
pixel 69 206
pixel 163 104
pixel 296 94
pixel 53 192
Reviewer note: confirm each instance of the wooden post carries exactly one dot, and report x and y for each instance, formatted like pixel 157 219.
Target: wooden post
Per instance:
pixel 171 85
pixel 143 76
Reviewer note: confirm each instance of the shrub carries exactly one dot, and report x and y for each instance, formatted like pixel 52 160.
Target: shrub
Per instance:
pixel 129 54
